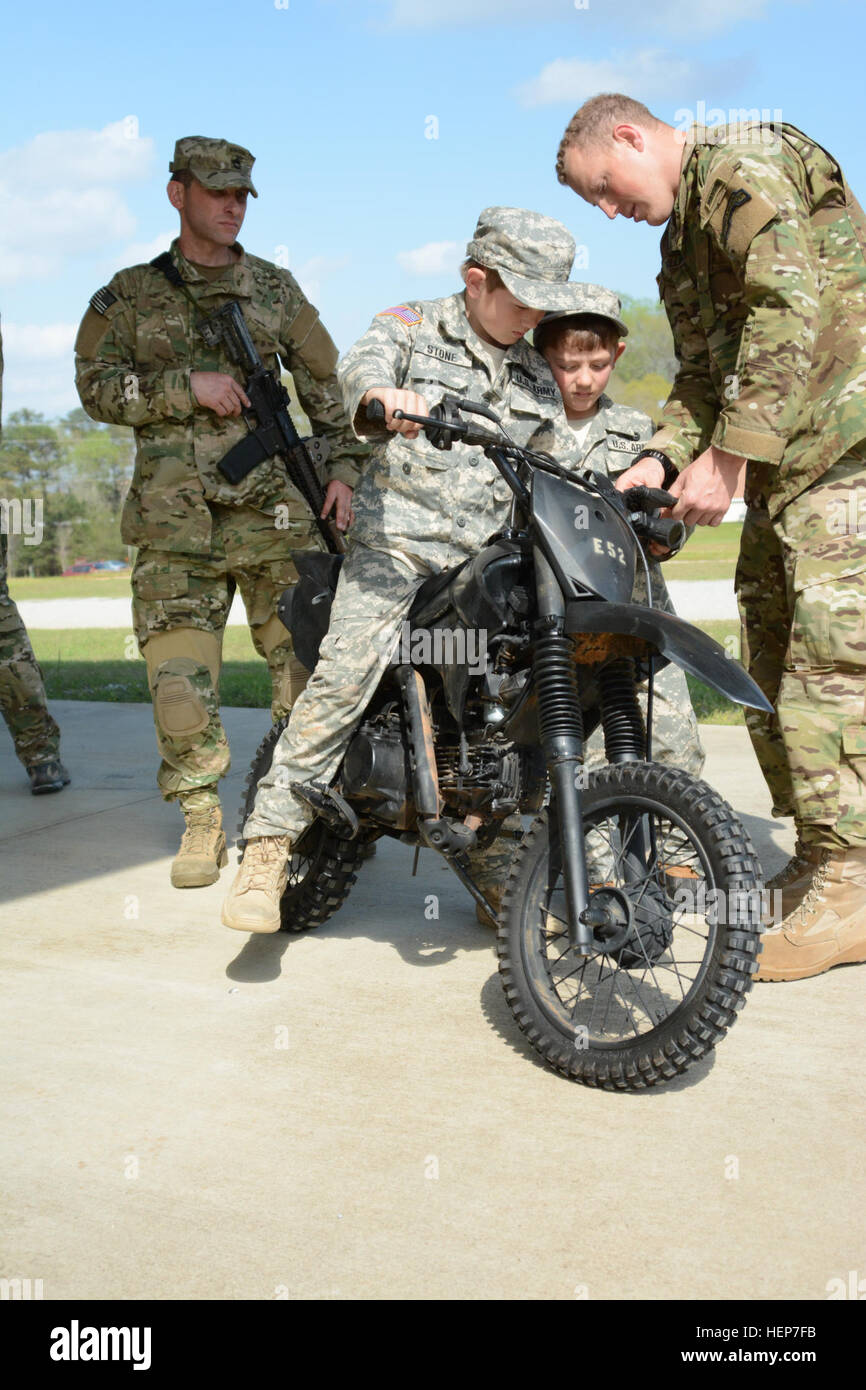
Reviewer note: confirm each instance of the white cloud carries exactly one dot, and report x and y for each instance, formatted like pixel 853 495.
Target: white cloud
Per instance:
pixel 317 269
pixel 649 75
pixel 434 258
pixel 59 200
pixel 48 389
pixel 80 158
pixel 137 252
pixel 39 367
pixel 680 17
pixel 30 342
pixel 438 14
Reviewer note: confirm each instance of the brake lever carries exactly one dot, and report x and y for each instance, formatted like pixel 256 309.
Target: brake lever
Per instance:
pixel 441 427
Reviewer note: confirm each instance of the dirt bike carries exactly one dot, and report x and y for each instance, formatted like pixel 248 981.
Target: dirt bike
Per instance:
pixel 630 920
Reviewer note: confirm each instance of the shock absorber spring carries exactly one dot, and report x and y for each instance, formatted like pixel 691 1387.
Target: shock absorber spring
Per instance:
pixel 624 734
pixel 556 685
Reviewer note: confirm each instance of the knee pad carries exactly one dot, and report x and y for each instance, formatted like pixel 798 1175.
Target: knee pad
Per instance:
pixel 178 700
pixel 183 643
pixel 293 680
pixel 183 669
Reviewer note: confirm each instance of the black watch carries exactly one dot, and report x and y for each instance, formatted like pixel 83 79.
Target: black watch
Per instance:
pixel 670 471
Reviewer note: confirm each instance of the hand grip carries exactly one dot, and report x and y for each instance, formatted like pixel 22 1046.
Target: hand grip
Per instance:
pixel 665 531
pixel 641 498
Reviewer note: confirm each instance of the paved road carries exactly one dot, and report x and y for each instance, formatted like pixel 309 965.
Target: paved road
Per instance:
pixel 188 1113
pixel 692 599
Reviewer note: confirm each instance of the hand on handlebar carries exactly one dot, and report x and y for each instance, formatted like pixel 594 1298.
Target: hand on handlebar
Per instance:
pixel 659 533
pixel 393 399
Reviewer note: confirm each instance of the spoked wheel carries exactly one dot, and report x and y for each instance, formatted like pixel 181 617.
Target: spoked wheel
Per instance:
pixel 676 875
pixel 324 865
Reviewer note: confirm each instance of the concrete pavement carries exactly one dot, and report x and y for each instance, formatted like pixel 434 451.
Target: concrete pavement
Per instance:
pixel 189 1113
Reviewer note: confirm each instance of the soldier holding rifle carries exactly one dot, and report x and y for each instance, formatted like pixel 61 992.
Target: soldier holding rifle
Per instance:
pixel 158 351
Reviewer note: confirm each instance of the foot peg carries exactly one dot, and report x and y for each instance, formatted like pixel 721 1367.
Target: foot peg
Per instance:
pixel 328 804
pixel 446 836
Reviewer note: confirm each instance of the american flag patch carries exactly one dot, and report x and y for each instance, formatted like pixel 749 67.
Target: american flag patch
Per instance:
pixel 102 300
pixel 404 313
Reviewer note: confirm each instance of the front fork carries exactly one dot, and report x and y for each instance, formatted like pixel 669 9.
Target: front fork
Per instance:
pixel 561 721
pixel 626 741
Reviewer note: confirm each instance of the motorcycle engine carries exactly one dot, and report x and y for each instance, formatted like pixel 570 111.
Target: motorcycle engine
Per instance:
pixel 491 777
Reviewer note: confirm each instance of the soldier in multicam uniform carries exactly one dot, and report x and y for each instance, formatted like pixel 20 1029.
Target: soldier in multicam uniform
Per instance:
pixel 417 510
pixel 764 281
pixel 141 361
pixel 22 694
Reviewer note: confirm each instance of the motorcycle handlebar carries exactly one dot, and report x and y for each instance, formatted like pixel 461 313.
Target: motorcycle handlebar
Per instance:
pixel 641 498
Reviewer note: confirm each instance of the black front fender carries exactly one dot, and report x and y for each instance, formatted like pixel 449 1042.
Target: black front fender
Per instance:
pixel 693 650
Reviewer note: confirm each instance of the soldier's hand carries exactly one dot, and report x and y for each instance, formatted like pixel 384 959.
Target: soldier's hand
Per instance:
pixel 394 399
pixel 647 473
pixel 219 392
pixel 338 497
pixel 704 489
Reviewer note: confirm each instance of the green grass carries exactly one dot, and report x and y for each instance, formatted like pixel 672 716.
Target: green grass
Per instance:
pixel 711 553
pixel 105 585
pixel 91 664
pixel 711 707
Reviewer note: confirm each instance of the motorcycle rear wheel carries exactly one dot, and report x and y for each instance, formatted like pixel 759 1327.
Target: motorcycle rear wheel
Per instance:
pixel 663 988
pixel 324 865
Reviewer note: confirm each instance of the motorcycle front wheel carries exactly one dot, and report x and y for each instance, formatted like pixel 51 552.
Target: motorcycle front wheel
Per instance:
pixel 676 875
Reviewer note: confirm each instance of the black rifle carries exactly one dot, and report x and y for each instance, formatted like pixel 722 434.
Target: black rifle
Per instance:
pixel 272 431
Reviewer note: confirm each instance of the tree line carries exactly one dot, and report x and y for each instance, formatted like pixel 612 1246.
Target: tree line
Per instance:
pixel 82 470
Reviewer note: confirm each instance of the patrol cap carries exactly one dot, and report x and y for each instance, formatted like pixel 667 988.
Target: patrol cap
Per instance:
pixel 532 253
pixel 591 299
pixel 215 163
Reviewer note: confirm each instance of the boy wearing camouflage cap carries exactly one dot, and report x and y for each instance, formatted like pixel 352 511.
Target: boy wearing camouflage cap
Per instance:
pixel 581 347
pixel 142 361
pixel 417 510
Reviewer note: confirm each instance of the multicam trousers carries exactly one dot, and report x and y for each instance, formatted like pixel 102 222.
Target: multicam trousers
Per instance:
pixel 180 607
pixel 801 586
pixel 22 693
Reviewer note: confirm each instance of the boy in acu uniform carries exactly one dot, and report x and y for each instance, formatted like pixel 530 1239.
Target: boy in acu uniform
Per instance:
pixel 417 510
pixel 581 349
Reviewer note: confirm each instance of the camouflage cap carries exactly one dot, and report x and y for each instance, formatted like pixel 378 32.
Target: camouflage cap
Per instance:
pixel 532 253
pixel 215 163
pixel 591 299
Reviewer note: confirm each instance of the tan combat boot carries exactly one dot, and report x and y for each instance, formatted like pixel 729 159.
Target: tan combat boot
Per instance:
pixel 827 928
pixel 793 880
pixel 202 850
pixel 253 902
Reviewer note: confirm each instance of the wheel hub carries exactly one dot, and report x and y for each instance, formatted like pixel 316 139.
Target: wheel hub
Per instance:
pixel 638 930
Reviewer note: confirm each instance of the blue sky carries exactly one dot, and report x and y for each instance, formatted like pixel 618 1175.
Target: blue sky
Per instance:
pixel 338 101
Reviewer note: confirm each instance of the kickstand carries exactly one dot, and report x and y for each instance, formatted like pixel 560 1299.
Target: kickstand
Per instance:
pixel 415 860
